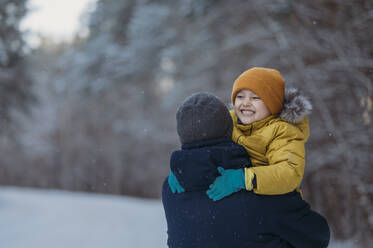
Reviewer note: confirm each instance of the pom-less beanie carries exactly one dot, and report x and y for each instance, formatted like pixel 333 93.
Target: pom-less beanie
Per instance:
pixel 267 83
pixel 202 116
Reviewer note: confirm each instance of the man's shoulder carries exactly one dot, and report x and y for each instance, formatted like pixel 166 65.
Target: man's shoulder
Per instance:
pixel 210 146
pixel 228 146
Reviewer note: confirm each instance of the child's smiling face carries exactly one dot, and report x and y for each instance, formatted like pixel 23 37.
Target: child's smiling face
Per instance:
pixel 249 107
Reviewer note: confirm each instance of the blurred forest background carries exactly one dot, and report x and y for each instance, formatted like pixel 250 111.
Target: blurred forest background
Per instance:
pixel 98 114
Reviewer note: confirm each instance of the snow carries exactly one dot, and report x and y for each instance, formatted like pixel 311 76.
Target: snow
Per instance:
pixel 57 219
pixel 36 218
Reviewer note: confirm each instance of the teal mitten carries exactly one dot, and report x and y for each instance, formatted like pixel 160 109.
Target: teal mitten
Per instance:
pixel 174 184
pixel 228 183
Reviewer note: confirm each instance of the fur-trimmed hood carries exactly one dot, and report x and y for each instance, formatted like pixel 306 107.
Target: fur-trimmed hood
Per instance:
pixel 296 106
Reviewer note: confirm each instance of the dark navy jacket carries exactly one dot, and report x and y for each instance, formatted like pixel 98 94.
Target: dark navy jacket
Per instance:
pixel 243 219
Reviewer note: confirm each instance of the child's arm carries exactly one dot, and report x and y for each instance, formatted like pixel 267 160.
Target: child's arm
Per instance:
pixel 286 161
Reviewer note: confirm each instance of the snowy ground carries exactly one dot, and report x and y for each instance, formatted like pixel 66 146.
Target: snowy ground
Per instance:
pixel 56 219
pixel 31 218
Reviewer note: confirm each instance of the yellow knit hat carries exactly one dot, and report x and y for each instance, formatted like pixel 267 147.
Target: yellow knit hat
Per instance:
pixel 266 83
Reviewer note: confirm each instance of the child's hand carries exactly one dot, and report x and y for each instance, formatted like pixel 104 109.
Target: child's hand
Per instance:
pixel 228 183
pixel 174 184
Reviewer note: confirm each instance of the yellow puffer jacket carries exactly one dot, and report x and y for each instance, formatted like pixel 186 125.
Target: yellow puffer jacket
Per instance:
pixel 277 146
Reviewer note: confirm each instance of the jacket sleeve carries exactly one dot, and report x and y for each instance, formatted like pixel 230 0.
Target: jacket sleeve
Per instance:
pixel 286 161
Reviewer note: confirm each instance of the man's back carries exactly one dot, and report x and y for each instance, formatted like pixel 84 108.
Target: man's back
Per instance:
pixel 194 220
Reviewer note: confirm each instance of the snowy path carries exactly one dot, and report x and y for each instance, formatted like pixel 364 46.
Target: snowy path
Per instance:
pixel 56 219
pixel 32 218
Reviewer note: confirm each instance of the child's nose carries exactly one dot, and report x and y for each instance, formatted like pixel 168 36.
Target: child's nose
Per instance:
pixel 247 102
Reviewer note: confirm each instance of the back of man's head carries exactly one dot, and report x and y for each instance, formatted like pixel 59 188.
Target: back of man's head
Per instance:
pixel 202 116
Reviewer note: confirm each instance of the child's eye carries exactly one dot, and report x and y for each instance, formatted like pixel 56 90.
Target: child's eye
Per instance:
pixel 239 96
pixel 256 97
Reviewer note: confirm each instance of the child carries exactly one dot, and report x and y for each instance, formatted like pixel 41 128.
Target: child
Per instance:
pixel 244 219
pixel 273 132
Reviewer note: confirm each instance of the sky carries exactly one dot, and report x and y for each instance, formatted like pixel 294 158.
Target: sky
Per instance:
pixel 57 19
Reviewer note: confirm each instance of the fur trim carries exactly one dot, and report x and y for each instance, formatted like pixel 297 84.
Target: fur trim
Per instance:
pixel 296 106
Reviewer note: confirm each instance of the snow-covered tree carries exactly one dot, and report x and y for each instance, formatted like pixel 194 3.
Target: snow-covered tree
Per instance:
pixel 15 86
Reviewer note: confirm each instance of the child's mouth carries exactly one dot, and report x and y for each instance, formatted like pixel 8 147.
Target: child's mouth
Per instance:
pixel 247 112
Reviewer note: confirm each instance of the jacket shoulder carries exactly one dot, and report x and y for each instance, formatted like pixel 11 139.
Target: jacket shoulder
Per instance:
pixel 281 127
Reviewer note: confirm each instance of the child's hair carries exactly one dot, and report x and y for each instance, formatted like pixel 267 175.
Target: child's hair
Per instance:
pixel 267 83
pixel 202 116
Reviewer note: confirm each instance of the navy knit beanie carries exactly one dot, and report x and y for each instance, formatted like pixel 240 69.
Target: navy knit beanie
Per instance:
pixel 202 116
